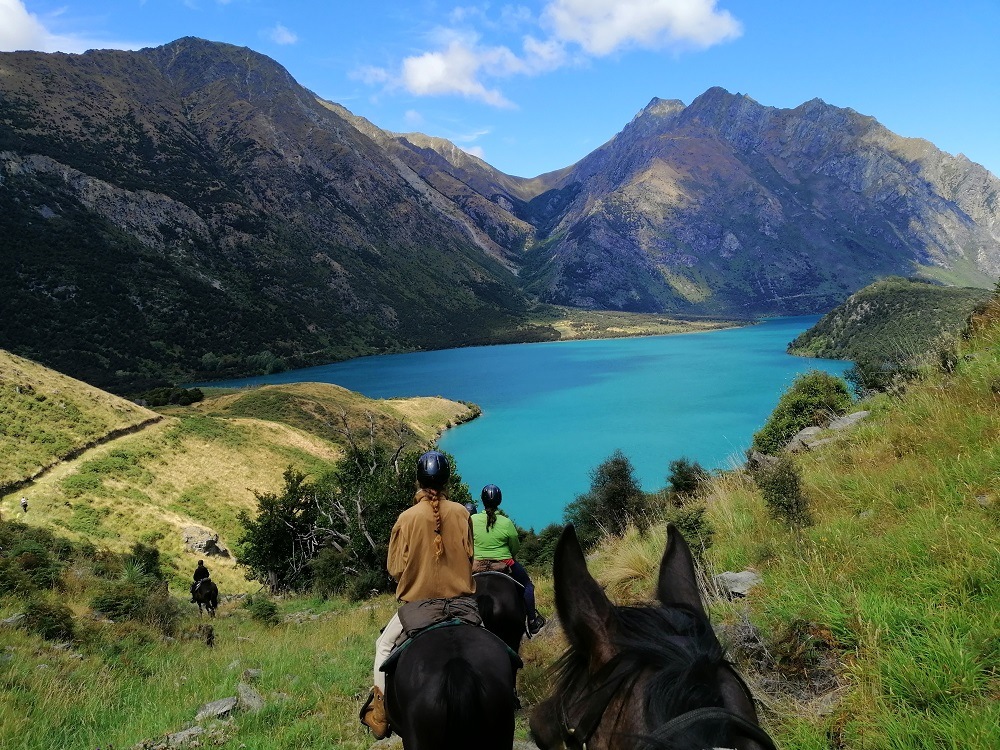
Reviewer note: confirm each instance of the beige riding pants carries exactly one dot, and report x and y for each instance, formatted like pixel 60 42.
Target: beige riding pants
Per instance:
pixel 386 642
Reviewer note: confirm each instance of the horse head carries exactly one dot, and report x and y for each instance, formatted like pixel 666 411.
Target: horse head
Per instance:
pixel 644 676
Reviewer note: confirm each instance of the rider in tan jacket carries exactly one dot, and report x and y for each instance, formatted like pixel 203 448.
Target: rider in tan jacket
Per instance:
pixel 430 556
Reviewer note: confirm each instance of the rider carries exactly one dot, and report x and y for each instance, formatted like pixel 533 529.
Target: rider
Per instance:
pixel 430 557
pixel 200 574
pixel 496 539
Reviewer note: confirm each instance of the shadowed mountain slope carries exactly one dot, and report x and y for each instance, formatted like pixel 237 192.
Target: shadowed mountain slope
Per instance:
pixel 190 208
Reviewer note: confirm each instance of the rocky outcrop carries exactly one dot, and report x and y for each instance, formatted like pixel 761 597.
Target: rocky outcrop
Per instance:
pixel 203 541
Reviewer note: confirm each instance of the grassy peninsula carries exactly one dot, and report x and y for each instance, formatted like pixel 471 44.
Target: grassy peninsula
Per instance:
pixel 892 320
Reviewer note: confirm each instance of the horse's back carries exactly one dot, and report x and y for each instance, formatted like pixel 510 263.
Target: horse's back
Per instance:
pixel 453 687
pixel 501 605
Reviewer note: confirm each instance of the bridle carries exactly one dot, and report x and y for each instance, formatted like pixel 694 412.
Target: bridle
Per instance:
pixel 576 735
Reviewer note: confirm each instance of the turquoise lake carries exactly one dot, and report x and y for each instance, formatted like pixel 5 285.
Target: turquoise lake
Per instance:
pixel 553 412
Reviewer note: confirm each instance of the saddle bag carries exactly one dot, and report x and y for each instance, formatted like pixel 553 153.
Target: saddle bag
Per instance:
pixel 418 615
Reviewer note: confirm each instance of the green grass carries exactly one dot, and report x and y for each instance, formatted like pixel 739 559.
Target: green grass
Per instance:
pixel 44 416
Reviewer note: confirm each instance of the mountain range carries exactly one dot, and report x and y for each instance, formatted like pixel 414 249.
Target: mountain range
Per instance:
pixel 190 211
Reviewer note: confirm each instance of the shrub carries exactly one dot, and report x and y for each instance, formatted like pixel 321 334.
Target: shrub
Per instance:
pixel 812 399
pixel 52 621
pixel 538 549
pixel 363 586
pixel 868 377
pixel 120 600
pixel 615 499
pixel 685 479
pixel 780 485
pixel 34 562
pixel 263 609
pixel 690 520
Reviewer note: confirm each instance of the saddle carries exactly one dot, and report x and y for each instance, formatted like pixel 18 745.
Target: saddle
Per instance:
pixel 491 566
pixel 420 615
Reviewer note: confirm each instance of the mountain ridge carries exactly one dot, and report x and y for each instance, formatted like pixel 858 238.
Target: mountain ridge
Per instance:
pixel 255 226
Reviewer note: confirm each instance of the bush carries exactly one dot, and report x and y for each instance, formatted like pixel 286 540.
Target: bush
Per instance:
pixel 52 621
pixel 868 377
pixel 690 520
pixel 539 549
pixel 812 399
pixel 120 600
pixel 32 566
pixel 685 479
pixel 363 586
pixel 615 500
pixel 780 485
pixel 263 609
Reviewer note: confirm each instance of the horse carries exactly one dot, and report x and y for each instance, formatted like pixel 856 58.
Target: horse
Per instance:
pixel 501 605
pixel 207 594
pixel 650 677
pixel 452 688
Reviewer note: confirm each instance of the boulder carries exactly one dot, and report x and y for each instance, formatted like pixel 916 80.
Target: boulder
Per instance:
pixel 848 420
pixel 736 585
pixel 219 709
pixel 248 699
pixel 203 541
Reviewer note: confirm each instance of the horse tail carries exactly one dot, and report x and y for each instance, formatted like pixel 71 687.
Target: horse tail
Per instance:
pixel 465 697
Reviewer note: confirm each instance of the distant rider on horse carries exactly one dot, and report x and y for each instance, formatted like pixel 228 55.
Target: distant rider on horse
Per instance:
pixel 496 540
pixel 200 574
pixel 430 557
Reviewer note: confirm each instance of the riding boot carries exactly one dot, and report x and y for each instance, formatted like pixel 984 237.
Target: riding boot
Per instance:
pixel 373 714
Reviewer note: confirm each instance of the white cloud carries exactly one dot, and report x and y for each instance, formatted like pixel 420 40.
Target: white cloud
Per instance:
pixel 412 118
pixel 475 135
pixel 21 30
pixel 568 31
pixel 475 151
pixel 454 70
pixel 281 35
pixel 601 27
pixel 371 75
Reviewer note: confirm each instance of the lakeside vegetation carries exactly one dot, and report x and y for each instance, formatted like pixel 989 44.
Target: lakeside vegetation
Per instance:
pixel 893 320
pixel 875 625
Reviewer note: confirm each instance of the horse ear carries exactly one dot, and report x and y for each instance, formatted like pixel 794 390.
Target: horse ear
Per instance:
pixel 678 583
pixel 584 610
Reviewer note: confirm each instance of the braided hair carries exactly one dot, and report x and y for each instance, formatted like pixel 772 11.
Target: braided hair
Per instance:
pixel 434 497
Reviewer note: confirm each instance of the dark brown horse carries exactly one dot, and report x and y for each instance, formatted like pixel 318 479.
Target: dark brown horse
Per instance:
pixel 501 605
pixel 649 678
pixel 207 595
pixel 452 688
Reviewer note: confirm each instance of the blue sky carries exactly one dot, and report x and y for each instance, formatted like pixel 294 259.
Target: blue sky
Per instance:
pixel 534 86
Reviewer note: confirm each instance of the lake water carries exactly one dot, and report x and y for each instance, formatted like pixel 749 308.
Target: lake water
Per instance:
pixel 553 412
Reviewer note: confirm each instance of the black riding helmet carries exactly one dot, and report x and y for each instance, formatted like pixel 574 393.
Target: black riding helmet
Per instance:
pixel 433 470
pixel 491 496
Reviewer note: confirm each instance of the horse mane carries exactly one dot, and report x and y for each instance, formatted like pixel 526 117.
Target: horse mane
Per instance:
pixel 682 655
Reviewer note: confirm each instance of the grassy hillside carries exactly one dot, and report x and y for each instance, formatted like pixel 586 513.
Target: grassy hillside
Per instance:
pixel 200 465
pixel 46 416
pixel 893 319
pixel 877 627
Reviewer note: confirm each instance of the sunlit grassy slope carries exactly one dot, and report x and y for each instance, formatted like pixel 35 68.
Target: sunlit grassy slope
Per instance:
pixel 199 466
pixel 896 584
pixel 45 416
